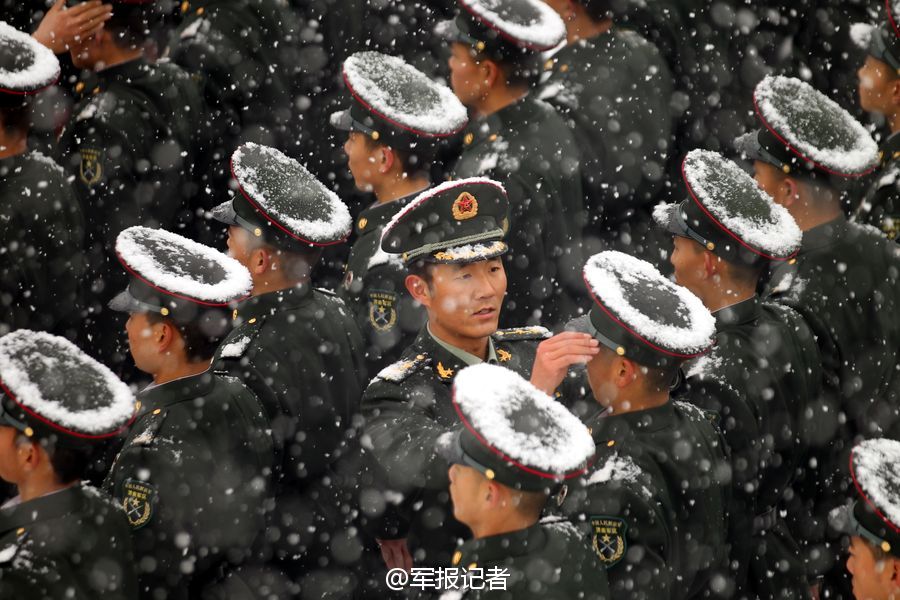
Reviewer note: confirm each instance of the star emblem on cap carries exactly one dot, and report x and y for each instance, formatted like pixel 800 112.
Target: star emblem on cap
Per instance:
pixel 464 207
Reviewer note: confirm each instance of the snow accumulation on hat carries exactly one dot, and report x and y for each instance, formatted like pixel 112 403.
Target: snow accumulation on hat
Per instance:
pixel 815 127
pixel 26 66
pixel 516 419
pixel 182 267
pixel 54 383
pixel 876 470
pixel 639 299
pixel 289 196
pixel 732 198
pixel 530 24
pixel 403 95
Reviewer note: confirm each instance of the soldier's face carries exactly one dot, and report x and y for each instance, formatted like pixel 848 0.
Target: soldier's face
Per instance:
pixel 465 300
pixel 84 52
pixel 141 342
pixel 688 259
pixel 872 579
pixel 361 160
pixel 466 75
pixel 13 454
pixel 467 492
pixel 878 87
pixel 769 179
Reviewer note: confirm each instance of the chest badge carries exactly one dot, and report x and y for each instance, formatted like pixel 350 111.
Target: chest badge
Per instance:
pixel 138 501
pixel 608 538
pixel 91 169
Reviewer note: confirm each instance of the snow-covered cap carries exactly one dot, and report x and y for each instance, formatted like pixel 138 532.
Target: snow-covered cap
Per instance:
pixel 459 221
pixel 396 104
pixel 874 514
pixel 880 41
pixel 641 315
pixel 505 28
pixel 279 200
pixel 176 277
pixel 514 433
pixel 26 66
pixel 51 389
pixel 806 132
pixel 728 214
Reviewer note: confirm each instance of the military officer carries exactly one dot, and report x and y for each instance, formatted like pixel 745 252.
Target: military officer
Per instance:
pixel 451 240
pixel 524 144
pixel 655 501
pixel 871 520
pixel 879 77
pixel 41 222
pixel 198 455
pixel 765 364
pixel 515 445
pixel 59 538
pixel 396 124
pixel 614 90
pixel 297 347
pixel 844 282
pixel 129 147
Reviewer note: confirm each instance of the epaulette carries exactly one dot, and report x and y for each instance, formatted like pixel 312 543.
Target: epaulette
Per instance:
pixel 403 368
pixel 327 292
pixel 150 425
pixel 239 339
pixel 535 332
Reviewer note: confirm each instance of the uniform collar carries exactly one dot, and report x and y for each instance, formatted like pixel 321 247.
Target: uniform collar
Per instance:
pixel 606 427
pixel 381 213
pixel 52 506
pixel 462 355
pixel 738 313
pixel 497 548
pixel 824 235
pixel 272 302
pixel 890 148
pixel 172 392
pixel 96 82
pixel 511 116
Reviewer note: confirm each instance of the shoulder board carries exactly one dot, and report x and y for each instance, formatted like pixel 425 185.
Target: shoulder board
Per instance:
pixel 149 428
pixel 327 292
pixel 403 368
pixel 695 413
pixel 237 342
pixel 522 333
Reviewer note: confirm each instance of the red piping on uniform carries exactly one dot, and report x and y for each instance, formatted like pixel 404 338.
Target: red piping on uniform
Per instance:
pixel 866 498
pixel 800 154
pixel 393 122
pixel 725 229
pixel 64 429
pixel 632 332
pixel 500 453
pixel 503 34
pixel 276 223
pixel 168 293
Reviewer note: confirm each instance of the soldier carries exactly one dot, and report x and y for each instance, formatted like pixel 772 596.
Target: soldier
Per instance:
pixel 451 240
pixel 844 281
pixel 614 90
pixel 41 223
pixel 656 499
pixel 395 126
pixel 298 348
pixel 521 142
pixel 871 520
pixel 129 147
pixel 515 445
pixel 60 538
pixel 879 92
pixel 765 362
pixel 194 469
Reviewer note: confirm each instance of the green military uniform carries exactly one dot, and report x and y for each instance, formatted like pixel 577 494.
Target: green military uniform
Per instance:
pixel 300 350
pixel 764 374
pixel 527 147
pixel 398 107
pixel 518 438
pixel 614 91
pixel 41 222
pixel 72 542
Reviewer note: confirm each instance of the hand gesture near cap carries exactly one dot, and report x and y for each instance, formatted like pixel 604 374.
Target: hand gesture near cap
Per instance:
pixel 555 356
pixel 62 25
pixel 395 554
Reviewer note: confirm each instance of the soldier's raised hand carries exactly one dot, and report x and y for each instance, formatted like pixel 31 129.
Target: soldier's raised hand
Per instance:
pixel 62 25
pixel 555 355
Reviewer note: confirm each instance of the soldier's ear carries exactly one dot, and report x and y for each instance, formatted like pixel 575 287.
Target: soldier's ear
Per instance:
pixel 260 261
pixel 625 372
pixel 710 264
pixel 491 72
pixel 895 93
pixel 418 289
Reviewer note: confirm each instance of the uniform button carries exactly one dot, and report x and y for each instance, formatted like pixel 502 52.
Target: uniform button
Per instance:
pixel 234 315
pixel 20 531
pixel 157 411
pixel 79 87
pixel 200 11
pixel 420 357
pixel 564 68
pixel 548 65
pixel 493 137
pixel 185 6
pixel 457 556
pixel 96 90
pixel 252 321
pixel 363 222
pixel 473 566
pixel 610 443
pixel 470 137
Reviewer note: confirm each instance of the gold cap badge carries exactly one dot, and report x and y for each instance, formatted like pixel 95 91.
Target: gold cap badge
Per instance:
pixel 464 207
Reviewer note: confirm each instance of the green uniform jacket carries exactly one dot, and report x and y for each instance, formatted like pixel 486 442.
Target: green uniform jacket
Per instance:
pixel 614 92
pixel 527 147
pixel 192 477
pixel 406 409
pixel 766 364
pixel 550 560
pixel 71 544
pixel 881 206
pixel 655 501
pixel 301 352
pixel 374 289
pixel 845 283
pixel 42 240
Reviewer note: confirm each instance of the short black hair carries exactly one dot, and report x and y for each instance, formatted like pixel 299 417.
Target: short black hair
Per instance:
pixel 423 269
pixel 660 378
pixel 521 70
pixel 201 336
pixel 134 24
pixel 414 161
pixel 597 10
pixel 16 117
pixel 69 464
